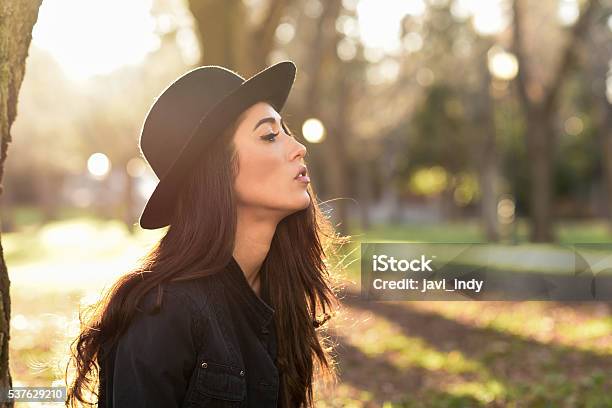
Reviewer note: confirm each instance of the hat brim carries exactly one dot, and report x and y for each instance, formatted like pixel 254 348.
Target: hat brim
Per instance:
pixel 272 84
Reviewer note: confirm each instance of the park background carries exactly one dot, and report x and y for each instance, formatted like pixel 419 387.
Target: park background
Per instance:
pixel 424 120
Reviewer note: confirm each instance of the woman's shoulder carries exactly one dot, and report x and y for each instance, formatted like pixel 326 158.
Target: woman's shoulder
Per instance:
pixel 176 307
pixel 194 294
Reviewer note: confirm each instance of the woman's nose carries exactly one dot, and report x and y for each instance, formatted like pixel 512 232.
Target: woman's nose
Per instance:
pixel 299 150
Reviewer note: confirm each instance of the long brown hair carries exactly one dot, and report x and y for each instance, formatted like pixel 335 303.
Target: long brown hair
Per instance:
pixel 205 217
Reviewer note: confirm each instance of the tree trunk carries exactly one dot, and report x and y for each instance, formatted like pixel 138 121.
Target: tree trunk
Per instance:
pixel 221 31
pixel 599 54
pixel 17 19
pixel 488 169
pixel 539 109
pixel 335 153
pixel 226 37
pixel 604 122
pixel 540 150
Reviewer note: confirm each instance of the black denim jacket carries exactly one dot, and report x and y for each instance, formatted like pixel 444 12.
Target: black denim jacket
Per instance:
pixel 213 344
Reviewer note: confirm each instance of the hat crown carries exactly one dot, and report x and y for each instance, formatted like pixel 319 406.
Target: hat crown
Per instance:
pixel 177 111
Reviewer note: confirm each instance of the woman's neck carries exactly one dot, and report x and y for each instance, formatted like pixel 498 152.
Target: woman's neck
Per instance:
pixel 253 239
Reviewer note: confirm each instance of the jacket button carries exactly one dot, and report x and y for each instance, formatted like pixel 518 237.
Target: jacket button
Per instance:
pixel 242 373
pixel 204 364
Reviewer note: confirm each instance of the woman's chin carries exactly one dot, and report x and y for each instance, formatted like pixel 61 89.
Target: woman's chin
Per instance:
pixel 300 205
pixel 306 202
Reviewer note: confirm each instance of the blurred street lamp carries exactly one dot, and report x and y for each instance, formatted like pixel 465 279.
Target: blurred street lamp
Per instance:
pixel 502 65
pixel 98 165
pixel 425 77
pixel 313 130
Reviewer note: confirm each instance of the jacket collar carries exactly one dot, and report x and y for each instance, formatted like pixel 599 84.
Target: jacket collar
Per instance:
pixel 258 309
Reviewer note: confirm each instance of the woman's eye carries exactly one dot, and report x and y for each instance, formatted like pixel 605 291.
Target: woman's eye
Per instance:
pixel 287 131
pixel 270 137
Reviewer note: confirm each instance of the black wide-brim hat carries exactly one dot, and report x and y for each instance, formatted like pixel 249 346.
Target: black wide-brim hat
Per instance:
pixel 193 110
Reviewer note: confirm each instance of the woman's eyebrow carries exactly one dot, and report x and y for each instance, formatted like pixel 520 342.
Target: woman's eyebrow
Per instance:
pixel 266 120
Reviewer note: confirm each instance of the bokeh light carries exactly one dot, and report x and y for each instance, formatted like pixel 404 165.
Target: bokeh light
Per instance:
pixel 489 17
pixel 379 22
pixel 98 165
pixel 573 126
pixel 568 12
pixel 502 64
pixel 412 42
pixel 313 130
pixel 429 181
pixel 346 49
pixel 285 33
pixel 348 26
pixel 136 167
pixel 505 210
pixel 425 77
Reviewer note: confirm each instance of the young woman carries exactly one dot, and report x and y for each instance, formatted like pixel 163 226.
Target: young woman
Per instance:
pixel 227 309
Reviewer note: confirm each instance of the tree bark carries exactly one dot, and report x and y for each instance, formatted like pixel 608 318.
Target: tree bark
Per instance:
pixel 17 19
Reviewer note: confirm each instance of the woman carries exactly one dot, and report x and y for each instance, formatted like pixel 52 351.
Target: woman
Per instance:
pixel 227 309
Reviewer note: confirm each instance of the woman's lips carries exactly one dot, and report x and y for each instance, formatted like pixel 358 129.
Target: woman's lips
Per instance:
pixel 303 179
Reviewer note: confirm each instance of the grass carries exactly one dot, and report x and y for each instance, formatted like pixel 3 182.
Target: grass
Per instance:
pixel 391 354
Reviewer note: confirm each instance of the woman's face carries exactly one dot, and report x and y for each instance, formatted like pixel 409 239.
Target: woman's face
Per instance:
pixel 269 160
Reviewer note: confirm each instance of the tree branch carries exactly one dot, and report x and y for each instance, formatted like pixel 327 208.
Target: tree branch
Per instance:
pixel 579 29
pixel 522 77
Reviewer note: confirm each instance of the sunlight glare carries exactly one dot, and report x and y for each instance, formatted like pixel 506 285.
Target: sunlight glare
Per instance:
pixel 89 37
pixel 490 17
pixel 568 12
pixel 380 24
